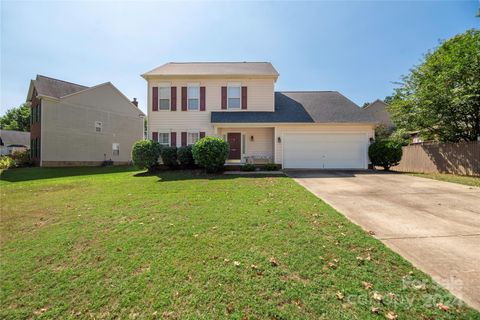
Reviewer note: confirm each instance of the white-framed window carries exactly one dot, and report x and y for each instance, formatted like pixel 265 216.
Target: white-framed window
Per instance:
pixel 116 149
pixel 193 97
pixel 164 98
pixel 234 93
pixel 192 137
pixel 164 138
pixel 98 126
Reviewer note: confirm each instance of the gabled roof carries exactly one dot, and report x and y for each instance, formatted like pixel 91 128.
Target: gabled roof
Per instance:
pixel 59 89
pixel 378 111
pixel 301 107
pixel 55 88
pixel 14 138
pixel 214 69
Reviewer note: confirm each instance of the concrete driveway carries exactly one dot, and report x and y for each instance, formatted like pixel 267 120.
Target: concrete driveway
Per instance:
pixel 433 224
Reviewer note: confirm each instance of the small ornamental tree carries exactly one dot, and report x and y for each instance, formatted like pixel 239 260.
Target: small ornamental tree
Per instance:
pixel 145 154
pixel 385 153
pixel 211 153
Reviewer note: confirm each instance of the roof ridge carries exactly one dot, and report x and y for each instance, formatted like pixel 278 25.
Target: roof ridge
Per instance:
pixel 213 62
pixel 306 91
pixel 81 85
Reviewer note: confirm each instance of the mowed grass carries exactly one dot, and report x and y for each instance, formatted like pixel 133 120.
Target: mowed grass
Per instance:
pixel 466 180
pixel 110 243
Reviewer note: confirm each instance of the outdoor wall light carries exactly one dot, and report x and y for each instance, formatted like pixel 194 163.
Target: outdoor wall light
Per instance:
pixel 279 140
pixel 251 138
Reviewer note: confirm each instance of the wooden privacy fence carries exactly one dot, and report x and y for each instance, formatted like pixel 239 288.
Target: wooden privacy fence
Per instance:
pixel 457 158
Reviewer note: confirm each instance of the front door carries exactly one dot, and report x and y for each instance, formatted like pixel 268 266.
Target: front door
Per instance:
pixel 235 142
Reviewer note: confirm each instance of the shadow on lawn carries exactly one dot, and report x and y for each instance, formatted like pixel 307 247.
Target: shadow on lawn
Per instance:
pixel 178 175
pixel 29 174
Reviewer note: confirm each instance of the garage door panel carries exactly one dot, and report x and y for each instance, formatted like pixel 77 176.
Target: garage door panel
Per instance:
pixel 325 150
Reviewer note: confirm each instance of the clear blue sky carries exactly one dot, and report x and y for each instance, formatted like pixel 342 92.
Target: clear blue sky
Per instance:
pixel 357 48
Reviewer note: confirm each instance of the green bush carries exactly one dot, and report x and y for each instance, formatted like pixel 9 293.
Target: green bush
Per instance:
pixel 169 156
pixel 185 157
pixel 145 154
pixel 248 167
pixel 271 167
pixel 22 158
pixel 211 153
pixel 6 162
pixel 385 153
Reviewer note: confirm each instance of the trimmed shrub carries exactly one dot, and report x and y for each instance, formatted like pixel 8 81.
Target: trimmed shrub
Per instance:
pixel 169 156
pixel 248 167
pixel 145 154
pixel 22 158
pixel 6 162
pixel 271 167
pixel 211 153
pixel 385 153
pixel 185 157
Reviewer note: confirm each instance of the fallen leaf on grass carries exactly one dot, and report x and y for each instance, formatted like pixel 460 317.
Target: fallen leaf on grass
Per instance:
pixel 392 295
pixel 230 309
pixel 339 295
pixel 273 262
pixel 236 263
pixel 298 303
pixel 254 267
pixel 367 285
pixel 443 307
pixel 377 296
pixel 40 311
pixel 375 310
pixel 371 232
pixel 391 315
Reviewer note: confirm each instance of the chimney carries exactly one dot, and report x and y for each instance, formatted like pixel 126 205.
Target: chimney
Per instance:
pixel 135 102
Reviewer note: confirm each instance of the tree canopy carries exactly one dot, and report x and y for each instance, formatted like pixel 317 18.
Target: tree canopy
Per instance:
pixel 441 96
pixel 16 118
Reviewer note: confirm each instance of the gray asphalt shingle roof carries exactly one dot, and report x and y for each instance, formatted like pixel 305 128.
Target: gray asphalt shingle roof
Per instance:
pixel 55 88
pixel 378 111
pixel 301 107
pixel 14 138
pixel 214 68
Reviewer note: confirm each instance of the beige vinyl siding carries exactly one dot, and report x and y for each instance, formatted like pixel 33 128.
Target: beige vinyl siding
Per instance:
pixel 68 127
pixel 262 144
pixel 281 130
pixel 260 98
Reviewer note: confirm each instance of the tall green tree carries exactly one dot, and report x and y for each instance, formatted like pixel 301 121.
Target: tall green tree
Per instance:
pixel 16 118
pixel 441 97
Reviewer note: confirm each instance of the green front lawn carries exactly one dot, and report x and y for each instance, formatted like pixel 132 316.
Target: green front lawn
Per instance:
pixel 110 243
pixel 466 180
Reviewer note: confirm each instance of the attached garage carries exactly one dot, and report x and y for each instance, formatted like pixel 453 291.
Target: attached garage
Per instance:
pixel 315 150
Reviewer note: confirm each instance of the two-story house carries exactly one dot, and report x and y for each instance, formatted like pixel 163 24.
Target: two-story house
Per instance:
pixel 237 101
pixel 75 125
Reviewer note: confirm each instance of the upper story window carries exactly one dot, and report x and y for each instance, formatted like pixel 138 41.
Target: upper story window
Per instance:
pixel 164 138
pixel 98 126
pixel 233 95
pixel 164 98
pixel 192 137
pixel 193 96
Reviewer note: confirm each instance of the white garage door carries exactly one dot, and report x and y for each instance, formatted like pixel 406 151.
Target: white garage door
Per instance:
pixel 325 150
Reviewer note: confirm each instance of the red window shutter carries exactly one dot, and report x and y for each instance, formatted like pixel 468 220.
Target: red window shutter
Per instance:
pixel 173 98
pixel 173 139
pixel 155 136
pixel 202 98
pixel 202 135
pixel 224 97
pixel 155 99
pixel 184 98
pixel 244 98
pixel 184 139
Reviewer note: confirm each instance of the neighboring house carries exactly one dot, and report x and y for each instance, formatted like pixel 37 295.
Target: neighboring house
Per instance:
pixel 11 141
pixel 75 125
pixel 237 101
pixel 378 111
